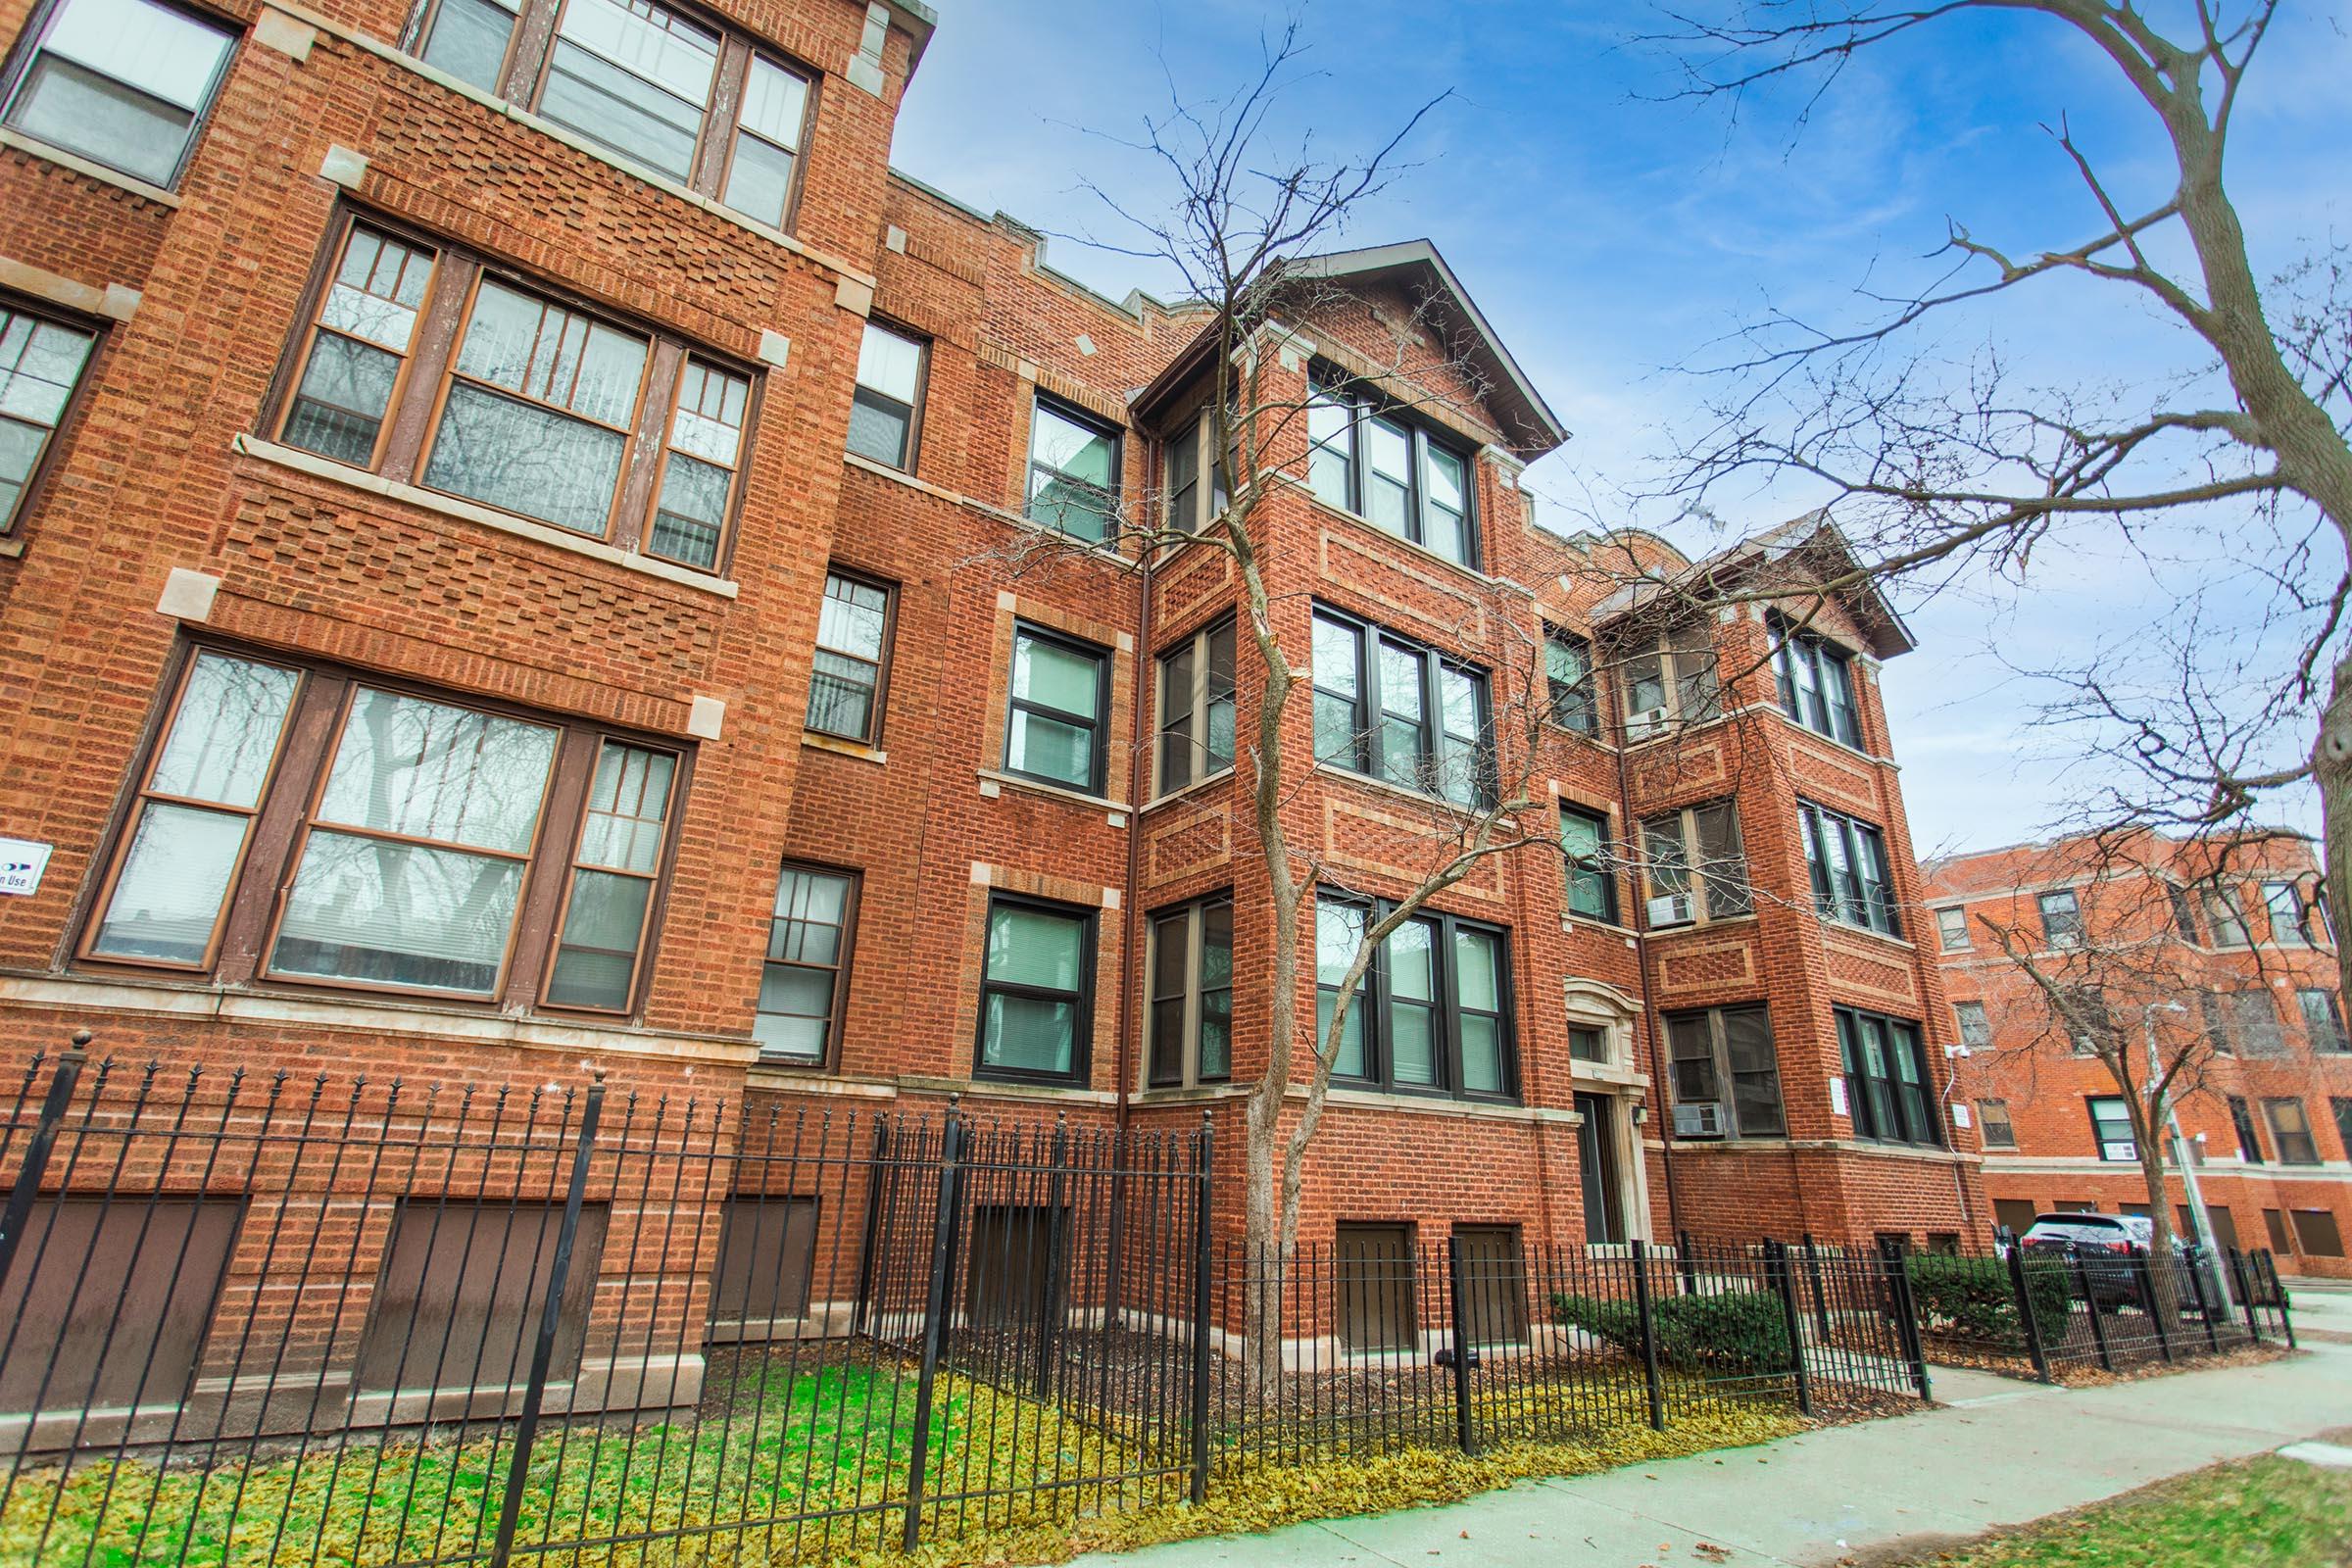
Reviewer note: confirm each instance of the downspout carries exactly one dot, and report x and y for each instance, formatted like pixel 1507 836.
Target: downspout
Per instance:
pixel 1130 975
pixel 1649 1016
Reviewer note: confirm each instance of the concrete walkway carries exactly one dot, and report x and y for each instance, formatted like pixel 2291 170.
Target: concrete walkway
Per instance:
pixel 2001 1452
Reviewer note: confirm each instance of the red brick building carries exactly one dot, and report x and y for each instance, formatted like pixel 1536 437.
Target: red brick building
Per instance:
pixel 2244 985
pixel 515 558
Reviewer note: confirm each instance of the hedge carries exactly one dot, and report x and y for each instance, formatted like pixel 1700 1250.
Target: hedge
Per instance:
pixel 1731 1333
pixel 1972 1297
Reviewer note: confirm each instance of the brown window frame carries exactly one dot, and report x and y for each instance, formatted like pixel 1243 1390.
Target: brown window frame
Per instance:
pixel 522 80
pixel 412 422
pixel 253 904
pixel 1687 660
pixel 1193 707
pixel 1985 1122
pixel 875 712
pixel 60 434
pixel 1707 882
pixel 836 1022
pixel 2295 1145
pixel 859 392
pixel 1186 926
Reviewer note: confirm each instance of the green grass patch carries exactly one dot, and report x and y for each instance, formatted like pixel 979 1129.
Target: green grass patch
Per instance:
pixel 2266 1512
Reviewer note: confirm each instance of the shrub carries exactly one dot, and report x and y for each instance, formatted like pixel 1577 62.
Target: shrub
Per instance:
pixel 1736 1333
pixel 1972 1297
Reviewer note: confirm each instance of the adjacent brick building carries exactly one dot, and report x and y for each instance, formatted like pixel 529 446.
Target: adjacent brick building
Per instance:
pixel 2223 950
pixel 520 556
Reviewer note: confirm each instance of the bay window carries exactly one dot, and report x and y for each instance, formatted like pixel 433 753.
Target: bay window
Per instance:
pixel 123 82
pixel 1367 458
pixel 1036 991
pixel 1888 1089
pixel 1188 1019
pixel 2323 1022
pixel 1569 682
pixel 1433 1013
pixel 1195 486
pixel 1847 860
pixel 1395 711
pixel 1815 681
pixel 1671 678
pixel 2282 902
pixel 684 99
pixel 424 844
pixel 1197 706
pixel 1725 1071
pixel 1591 869
pixel 1694 865
pixel 537 407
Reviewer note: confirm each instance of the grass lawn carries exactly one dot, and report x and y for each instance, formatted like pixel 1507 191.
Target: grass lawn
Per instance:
pixel 2265 1512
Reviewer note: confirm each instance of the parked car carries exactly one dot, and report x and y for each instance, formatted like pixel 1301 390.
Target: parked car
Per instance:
pixel 2105 1243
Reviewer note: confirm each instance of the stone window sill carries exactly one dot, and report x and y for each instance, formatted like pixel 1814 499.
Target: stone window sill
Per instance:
pixel 319 468
pixel 34 147
pixel 838 747
pixel 1053 792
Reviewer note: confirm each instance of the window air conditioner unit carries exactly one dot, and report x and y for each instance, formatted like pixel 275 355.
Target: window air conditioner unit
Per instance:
pixel 1648 722
pixel 1671 909
pixel 1704 1120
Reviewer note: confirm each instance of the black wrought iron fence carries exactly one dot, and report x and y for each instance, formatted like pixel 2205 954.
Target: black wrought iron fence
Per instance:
pixel 255 1318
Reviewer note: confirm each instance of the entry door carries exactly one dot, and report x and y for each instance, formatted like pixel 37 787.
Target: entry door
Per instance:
pixel 1597 1163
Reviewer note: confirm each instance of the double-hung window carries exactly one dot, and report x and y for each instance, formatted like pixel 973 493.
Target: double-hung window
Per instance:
pixel 1847 859
pixel 2256 1017
pixel 1061 710
pixel 1591 869
pixel 121 83
pixel 1692 866
pixel 1886 1079
pixel 1073 473
pixel 2185 914
pixel 1951 930
pixel 2061 919
pixel 1400 712
pixel 1992 1117
pixel 2290 1132
pixel 2216 1024
pixel 2283 902
pixel 1190 1016
pixel 41 362
pixel 680 98
pixel 2111 1129
pixel 886 406
pixel 2225 917
pixel 531 405
pixel 1571 687
pixel 1816 683
pixel 308 824
pixel 2241 1123
pixel 2340 1105
pixel 1036 991
pixel 1196 707
pixel 1433 1011
pixel 1724 1058
pixel 1975 1024
pixel 1195 485
pixel 1671 678
pixel 1366 458
pixel 852 658
pixel 2323 1019
pixel 2083 1014
pixel 802 983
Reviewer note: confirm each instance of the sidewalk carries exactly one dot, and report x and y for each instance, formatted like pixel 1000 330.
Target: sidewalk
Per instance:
pixel 2004 1453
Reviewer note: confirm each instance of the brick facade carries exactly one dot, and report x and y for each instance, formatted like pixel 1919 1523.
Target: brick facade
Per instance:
pixel 2298 1204
pixel 171 515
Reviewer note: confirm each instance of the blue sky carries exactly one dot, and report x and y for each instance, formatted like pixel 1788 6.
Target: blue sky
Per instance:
pixel 1612 238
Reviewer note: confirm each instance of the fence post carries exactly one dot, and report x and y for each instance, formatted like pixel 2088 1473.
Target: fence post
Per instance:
pixel 935 1312
pixel 2143 1273
pixel 2237 1277
pixel 1201 1313
pixel 2270 1271
pixel 2196 1285
pixel 1688 1261
pixel 36 1151
pixel 1906 1314
pixel 2026 1319
pixel 2098 1328
pixel 1783 1279
pixel 1821 1297
pixel 877 1164
pixel 551 1310
pixel 1649 1336
pixel 1457 1301
pixel 1049 1330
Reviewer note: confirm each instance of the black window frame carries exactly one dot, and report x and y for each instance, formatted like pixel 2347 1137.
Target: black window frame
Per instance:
pixel 1098 752
pixel 1910 1105
pixel 854 885
pixel 17 69
pixel 1201 702
pixel 1330 385
pixel 1600 872
pixel 1840 720
pixel 1948 940
pixel 1192 921
pixel 2326 1031
pixel 1573 705
pixel 2103 1123
pixel 1190 471
pixel 1112 495
pixel 2295 931
pixel 1868 903
pixel 1368 719
pixel 2185 914
pixel 2241 1123
pixel 1710 884
pixel 1373 999
pixel 2225 915
pixel 1720 1071
pixel 2340 1106
pixel 911 441
pixel 2070 924
pixel 1082 1025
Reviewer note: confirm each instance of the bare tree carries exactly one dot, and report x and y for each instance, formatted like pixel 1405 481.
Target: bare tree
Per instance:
pixel 1931 469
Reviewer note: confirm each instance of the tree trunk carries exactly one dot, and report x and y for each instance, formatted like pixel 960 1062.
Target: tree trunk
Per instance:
pixel 2332 771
